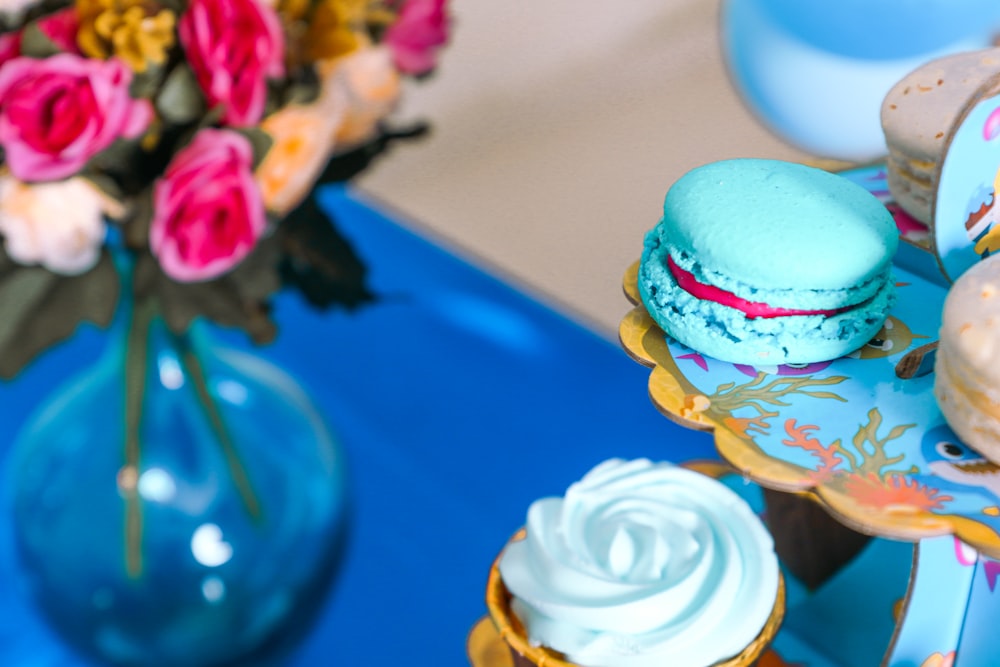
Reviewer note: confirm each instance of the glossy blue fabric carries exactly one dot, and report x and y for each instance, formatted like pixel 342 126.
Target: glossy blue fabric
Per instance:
pixel 457 399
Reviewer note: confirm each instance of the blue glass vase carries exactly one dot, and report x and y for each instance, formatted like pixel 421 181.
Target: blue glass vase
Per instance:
pixel 180 503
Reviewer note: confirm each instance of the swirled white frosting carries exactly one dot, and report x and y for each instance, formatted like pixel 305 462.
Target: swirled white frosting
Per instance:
pixel 640 564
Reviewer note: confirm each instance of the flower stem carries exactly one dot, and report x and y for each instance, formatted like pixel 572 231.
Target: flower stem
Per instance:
pixel 136 353
pixel 238 472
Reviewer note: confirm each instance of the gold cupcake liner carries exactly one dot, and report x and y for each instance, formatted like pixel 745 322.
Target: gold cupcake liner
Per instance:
pixel 525 654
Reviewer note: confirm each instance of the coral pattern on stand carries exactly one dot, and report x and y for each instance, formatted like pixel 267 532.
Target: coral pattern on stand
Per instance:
pixel 870 444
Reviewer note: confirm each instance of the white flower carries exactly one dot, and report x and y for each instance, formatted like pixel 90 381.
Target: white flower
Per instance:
pixel 59 225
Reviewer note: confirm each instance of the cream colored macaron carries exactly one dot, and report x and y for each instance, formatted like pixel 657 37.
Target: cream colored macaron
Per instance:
pixel 918 115
pixel 967 367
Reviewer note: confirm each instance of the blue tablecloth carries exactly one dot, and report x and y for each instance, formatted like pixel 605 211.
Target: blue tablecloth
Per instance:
pixel 458 399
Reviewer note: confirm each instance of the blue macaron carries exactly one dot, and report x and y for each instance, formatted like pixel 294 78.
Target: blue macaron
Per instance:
pixel 769 262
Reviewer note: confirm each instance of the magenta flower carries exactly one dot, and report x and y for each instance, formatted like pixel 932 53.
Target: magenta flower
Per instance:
pixel 233 47
pixel 57 113
pixel 61 28
pixel 10 46
pixel 420 29
pixel 207 210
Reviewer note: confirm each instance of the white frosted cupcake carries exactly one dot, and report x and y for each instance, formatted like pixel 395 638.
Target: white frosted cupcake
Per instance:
pixel 639 564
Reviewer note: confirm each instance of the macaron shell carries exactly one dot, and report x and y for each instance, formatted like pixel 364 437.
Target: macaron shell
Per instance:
pixel 918 114
pixel 911 186
pixel 967 408
pixel 921 108
pixel 727 334
pixel 767 225
pixel 967 373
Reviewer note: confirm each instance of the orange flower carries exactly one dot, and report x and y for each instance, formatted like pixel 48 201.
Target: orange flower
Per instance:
pixel 894 492
pixel 371 85
pixel 356 92
pixel 298 152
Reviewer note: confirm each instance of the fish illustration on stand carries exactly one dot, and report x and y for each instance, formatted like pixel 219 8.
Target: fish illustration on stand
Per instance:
pixel 953 462
pixel 892 338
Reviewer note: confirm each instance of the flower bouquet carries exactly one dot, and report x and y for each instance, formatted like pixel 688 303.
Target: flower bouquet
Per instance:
pixel 180 503
pixel 188 133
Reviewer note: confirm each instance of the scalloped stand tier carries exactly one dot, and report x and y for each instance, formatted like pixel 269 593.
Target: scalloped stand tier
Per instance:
pixel 863 437
pixel 835 625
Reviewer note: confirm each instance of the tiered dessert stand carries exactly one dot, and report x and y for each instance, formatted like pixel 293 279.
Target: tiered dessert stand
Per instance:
pixel 862 438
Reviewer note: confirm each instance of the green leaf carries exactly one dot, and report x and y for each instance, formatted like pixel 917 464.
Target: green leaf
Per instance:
pixel 275 98
pixel 177 6
pixel 302 92
pixel 236 299
pixel 107 185
pixel 145 84
pixel 180 100
pixel 41 308
pixel 21 292
pixel 260 141
pixel 36 44
pixel 116 158
pixel 319 261
pixel 212 117
pixel 137 226
pixel 112 188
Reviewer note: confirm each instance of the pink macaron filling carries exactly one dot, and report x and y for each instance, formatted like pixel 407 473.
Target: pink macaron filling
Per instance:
pixel 752 309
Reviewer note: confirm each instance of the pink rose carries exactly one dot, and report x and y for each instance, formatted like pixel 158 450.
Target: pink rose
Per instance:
pixel 57 113
pixel 61 28
pixel 207 210
pixel 420 28
pixel 233 46
pixel 10 46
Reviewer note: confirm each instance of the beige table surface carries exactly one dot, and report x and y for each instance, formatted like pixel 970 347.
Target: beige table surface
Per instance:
pixel 558 126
